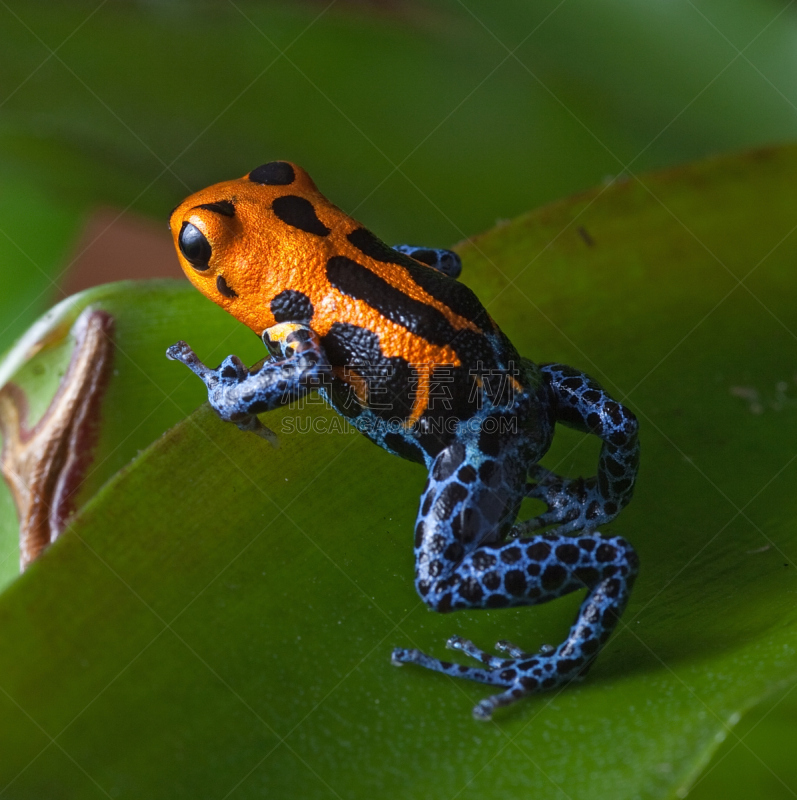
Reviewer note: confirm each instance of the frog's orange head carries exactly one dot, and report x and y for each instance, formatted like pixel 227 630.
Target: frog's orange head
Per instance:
pixel 233 242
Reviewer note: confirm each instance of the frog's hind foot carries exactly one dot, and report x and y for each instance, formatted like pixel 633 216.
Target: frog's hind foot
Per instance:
pixel 521 675
pixel 572 503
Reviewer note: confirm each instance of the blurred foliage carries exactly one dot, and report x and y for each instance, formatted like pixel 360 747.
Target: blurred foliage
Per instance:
pixel 429 121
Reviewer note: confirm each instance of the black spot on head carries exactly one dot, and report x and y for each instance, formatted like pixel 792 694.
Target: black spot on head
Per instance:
pixel 229 372
pixel 275 173
pixel 223 207
pixel 298 212
pixel 292 306
pixel 223 288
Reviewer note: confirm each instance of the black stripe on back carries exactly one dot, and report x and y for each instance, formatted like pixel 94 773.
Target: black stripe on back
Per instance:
pixel 373 247
pixel 461 300
pixel 357 281
pixel 298 212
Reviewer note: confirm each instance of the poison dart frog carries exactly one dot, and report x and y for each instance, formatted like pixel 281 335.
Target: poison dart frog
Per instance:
pixel 395 343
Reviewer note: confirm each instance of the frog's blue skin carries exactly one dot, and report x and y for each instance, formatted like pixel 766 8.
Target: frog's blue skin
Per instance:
pixel 469 552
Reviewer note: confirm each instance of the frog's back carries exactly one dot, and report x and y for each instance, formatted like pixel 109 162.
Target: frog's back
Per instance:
pixel 401 336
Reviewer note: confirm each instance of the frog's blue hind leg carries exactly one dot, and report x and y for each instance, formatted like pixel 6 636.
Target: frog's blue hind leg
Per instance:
pixel 469 503
pixel 238 394
pixel 578 401
pixel 445 261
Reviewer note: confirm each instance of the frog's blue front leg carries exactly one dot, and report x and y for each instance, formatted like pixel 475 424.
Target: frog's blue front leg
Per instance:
pixel 580 402
pixel 468 504
pixel 238 394
pixel 445 261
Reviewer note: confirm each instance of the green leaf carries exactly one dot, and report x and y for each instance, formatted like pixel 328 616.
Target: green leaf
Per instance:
pixel 217 620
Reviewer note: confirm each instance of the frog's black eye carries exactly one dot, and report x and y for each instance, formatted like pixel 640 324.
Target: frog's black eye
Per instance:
pixel 194 246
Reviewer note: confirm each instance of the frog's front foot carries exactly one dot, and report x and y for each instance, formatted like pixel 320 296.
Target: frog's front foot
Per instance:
pixel 520 675
pixel 184 353
pixel 230 374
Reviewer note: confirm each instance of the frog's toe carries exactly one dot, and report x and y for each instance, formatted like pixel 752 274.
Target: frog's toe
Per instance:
pixel 399 657
pixel 184 353
pixel 252 424
pixel 470 649
pixel 521 675
pixel 483 710
pixel 180 351
pixel 512 649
